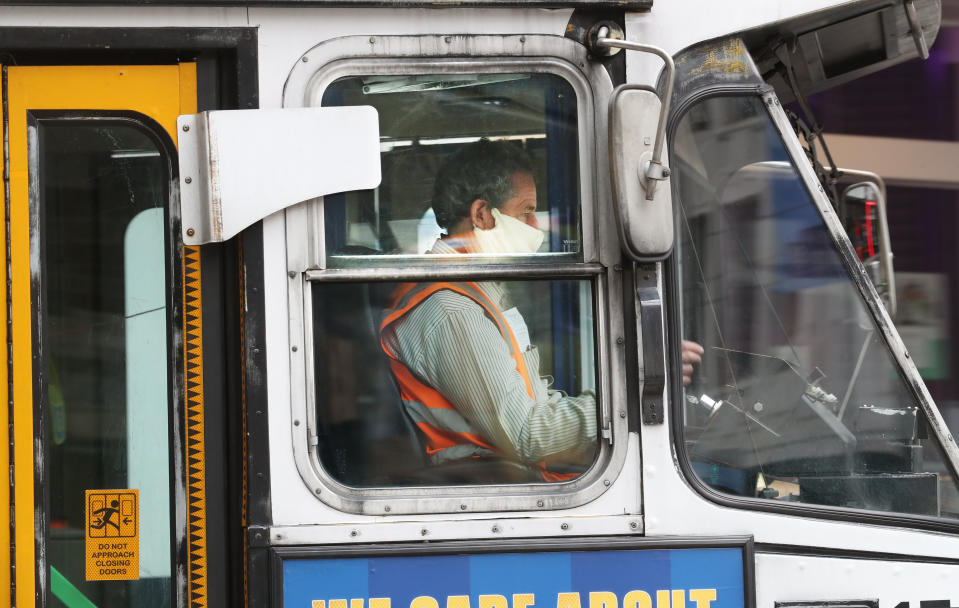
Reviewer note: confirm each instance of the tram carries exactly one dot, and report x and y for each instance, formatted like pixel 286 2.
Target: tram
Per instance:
pixel 268 343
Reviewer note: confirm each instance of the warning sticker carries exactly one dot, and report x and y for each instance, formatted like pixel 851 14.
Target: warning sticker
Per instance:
pixel 113 535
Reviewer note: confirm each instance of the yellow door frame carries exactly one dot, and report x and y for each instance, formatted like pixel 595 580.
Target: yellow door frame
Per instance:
pixel 159 92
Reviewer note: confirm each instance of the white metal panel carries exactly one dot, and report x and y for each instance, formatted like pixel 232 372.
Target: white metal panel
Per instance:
pixel 299 513
pixel 433 530
pixel 239 166
pixel 799 578
pixel 285 35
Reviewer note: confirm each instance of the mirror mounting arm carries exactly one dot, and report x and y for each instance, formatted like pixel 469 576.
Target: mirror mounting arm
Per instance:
pixel 654 170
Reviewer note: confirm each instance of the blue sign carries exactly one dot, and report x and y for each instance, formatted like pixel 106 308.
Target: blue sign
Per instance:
pixel 626 578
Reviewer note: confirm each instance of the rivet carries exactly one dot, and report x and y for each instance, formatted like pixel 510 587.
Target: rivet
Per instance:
pixel 296 423
pixel 387 508
pixel 305 59
pixel 279 537
pixel 258 535
pixel 539 503
pixel 424 532
pixel 522 39
pixel 633 525
pixel 190 231
pixel 317 491
pixel 665 171
pixel 620 340
pixel 354 533
pixel 907 355
pixel 622 413
pixel 495 529
pixel 462 507
pixel 294 348
pixel 372 40
pixel 186 128
pixel 291 274
pixel 447 40
pixel 565 526
pixel 607 482
pixel 188 180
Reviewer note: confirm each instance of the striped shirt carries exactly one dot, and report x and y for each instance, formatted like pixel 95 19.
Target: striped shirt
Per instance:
pixel 450 344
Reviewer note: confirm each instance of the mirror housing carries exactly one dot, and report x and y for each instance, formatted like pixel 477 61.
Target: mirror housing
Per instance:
pixel 862 208
pixel 640 185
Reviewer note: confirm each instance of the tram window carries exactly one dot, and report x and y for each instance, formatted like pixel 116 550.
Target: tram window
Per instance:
pixel 424 119
pixel 798 398
pixel 468 381
pixel 431 394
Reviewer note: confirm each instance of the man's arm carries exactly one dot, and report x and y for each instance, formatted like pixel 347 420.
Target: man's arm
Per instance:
pixel 450 343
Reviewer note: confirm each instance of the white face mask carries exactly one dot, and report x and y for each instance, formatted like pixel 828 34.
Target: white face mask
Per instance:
pixel 508 235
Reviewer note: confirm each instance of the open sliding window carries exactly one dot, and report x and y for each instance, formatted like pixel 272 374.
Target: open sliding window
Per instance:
pixel 452 313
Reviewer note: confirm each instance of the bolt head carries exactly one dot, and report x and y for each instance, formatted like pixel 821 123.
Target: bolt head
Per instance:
pixel 190 231
pixel 186 128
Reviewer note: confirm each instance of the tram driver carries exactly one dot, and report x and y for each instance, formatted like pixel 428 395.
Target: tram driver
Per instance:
pixel 468 376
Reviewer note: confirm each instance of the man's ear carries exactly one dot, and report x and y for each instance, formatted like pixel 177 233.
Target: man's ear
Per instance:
pixel 481 215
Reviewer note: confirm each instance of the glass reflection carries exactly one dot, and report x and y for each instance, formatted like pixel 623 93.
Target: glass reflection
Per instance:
pixel 798 398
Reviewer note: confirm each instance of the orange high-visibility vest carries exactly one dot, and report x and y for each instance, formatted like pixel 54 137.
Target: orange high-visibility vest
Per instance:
pixel 442 425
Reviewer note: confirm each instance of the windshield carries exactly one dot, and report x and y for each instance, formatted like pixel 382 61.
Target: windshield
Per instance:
pixel 797 397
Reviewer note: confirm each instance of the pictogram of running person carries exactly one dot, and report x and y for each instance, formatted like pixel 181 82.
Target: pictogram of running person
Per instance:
pixel 107 518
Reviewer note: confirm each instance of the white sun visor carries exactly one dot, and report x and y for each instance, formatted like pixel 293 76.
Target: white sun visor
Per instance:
pixel 239 166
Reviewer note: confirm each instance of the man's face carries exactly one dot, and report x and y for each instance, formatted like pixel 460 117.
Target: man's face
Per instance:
pixel 522 205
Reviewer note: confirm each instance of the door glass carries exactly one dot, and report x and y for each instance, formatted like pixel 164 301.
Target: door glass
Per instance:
pixel 103 324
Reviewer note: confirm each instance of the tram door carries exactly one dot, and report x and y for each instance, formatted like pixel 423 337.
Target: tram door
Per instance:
pixel 91 164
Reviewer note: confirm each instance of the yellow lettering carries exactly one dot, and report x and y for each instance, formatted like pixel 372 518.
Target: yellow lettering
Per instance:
pixel 702 597
pixel 662 598
pixel 679 598
pixel 523 600
pixel 337 603
pixel 602 599
pixel 318 604
pixel 423 601
pixel 635 599
pixel 458 601
pixel 567 600
pixel 377 602
pixel 490 601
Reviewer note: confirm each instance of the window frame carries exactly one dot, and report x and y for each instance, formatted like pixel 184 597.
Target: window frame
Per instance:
pixel 306 263
pixel 856 272
pixel 147 126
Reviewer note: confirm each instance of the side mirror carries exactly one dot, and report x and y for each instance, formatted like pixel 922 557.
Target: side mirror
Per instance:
pixel 637 133
pixel 862 208
pixel 640 181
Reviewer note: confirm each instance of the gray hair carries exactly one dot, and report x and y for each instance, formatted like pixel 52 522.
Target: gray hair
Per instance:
pixel 480 170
